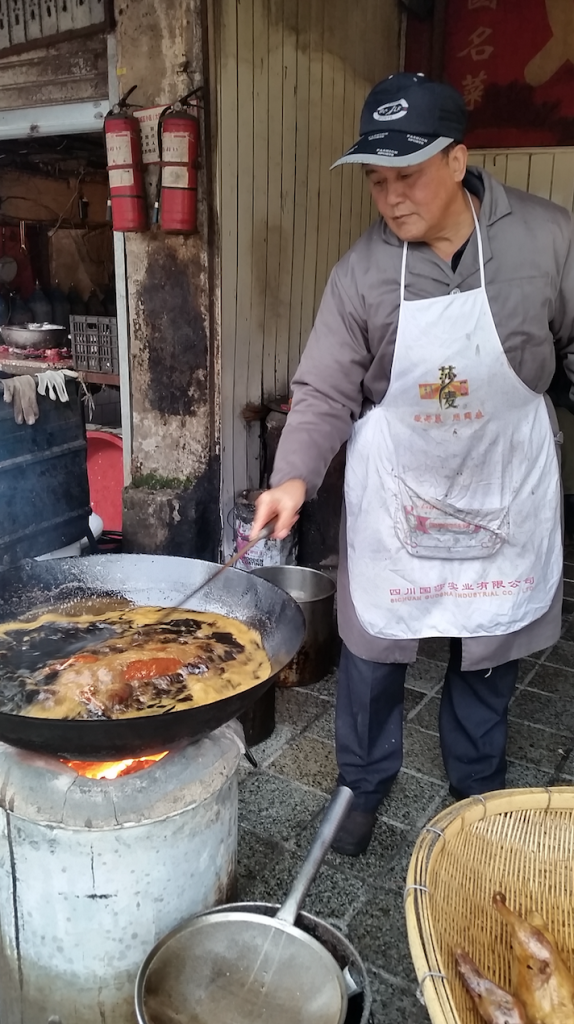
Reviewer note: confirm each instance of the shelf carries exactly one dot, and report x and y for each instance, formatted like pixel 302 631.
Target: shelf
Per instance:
pixel 91 377
pixel 18 366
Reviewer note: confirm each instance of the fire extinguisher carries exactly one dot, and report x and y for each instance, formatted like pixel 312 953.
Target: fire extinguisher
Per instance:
pixel 125 168
pixel 179 142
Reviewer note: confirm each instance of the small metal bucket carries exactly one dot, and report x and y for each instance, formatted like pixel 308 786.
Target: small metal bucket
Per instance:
pixel 315 595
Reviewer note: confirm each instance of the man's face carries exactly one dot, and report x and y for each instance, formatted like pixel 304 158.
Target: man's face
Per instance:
pixel 416 201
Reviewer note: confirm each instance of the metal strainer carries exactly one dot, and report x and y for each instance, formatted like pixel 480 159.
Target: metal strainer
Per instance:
pixel 245 968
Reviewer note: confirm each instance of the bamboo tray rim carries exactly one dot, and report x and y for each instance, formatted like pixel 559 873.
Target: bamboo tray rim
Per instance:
pixel 433 983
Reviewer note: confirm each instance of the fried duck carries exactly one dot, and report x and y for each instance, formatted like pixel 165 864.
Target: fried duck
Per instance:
pixel 540 978
pixel 126 664
pixel 494 1004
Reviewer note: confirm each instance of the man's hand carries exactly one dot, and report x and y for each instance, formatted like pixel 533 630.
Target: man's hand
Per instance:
pixel 281 503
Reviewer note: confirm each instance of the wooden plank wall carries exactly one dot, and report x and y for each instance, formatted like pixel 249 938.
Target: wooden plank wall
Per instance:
pixel 543 172
pixel 291 77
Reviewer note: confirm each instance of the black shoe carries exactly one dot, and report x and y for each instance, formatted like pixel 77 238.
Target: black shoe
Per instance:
pixel 456 794
pixel 355 833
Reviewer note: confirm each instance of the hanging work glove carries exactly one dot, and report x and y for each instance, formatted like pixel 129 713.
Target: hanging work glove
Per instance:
pixel 21 391
pixel 55 382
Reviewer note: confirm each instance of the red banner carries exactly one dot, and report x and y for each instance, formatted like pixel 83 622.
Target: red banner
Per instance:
pixel 513 61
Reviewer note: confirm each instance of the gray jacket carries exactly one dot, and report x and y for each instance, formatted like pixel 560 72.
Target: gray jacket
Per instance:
pixel 529 265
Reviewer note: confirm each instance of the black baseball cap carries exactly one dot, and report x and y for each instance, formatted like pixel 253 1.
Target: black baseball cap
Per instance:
pixel 407 119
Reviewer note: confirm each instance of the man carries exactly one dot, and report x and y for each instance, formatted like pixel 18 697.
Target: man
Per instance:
pixel 560 393
pixel 431 353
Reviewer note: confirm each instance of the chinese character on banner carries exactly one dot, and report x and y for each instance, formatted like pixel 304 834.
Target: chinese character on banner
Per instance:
pixel 473 89
pixel 467 586
pixel 439 587
pixel 453 586
pixel 410 591
pixel 497 584
pixel 529 580
pixel 425 590
pixel 524 97
pixel 477 49
pixel 514 584
pixel 483 586
pixel 395 593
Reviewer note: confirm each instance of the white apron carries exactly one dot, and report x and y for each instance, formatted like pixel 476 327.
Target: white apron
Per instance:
pixel 452 485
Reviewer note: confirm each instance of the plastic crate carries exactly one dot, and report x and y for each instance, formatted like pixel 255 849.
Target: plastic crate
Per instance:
pixel 95 343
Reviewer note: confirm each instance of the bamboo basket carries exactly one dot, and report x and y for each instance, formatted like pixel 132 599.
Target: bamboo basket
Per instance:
pixel 520 842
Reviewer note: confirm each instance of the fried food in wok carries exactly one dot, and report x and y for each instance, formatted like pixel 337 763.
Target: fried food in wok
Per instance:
pixel 540 978
pixel 120 662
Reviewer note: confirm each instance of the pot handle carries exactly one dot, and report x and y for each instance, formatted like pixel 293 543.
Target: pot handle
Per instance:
pixel 352 987
pixel 334 816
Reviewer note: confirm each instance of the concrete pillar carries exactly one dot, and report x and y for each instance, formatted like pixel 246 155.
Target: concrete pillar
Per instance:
pixel 172 505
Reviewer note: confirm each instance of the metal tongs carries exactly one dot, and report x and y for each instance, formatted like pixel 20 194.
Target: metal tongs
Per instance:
pixel 263 534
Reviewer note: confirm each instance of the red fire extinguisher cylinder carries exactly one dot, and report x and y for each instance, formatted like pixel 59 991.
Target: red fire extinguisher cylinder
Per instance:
pixel 180 146
pixel 125 170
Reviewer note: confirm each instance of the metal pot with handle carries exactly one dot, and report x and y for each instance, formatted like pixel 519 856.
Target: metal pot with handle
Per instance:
pixel 34 336
pixel 249 968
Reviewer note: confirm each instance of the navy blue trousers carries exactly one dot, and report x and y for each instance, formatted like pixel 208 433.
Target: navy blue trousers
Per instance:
pixel 472 724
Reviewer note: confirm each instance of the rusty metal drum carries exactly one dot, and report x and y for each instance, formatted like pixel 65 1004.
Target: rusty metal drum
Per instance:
pixel 266 552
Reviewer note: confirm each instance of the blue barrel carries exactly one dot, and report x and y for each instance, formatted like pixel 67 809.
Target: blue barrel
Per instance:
pixel 44 491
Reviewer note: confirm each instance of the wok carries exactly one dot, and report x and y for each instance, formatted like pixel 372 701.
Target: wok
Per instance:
pixel 34 336
pixel 145 580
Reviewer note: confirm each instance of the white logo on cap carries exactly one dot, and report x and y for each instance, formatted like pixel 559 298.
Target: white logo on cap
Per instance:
pixel 391 111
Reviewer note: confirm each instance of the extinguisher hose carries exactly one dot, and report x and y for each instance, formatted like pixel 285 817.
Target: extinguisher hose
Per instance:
pixel 188 95
pixel 122 103
pixel 155 217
